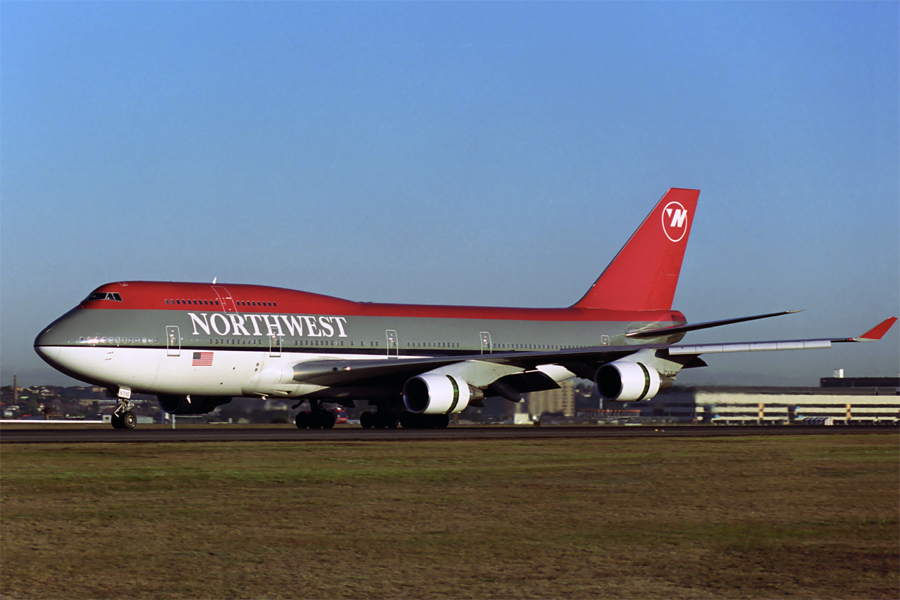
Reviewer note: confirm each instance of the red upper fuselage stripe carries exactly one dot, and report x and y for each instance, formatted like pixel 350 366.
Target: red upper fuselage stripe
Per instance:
pixel 148 295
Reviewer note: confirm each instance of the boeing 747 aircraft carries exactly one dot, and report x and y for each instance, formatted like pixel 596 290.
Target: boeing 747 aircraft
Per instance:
pixel 196 346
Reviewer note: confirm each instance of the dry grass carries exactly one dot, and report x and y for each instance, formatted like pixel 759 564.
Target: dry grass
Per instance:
pixel 804 517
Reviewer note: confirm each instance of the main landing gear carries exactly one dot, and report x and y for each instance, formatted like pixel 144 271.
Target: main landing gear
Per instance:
pixel 387 420
pixel 414 421
pixel 316 418
pixel 378 420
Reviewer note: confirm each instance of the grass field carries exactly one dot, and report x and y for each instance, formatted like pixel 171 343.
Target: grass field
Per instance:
pixel 799 517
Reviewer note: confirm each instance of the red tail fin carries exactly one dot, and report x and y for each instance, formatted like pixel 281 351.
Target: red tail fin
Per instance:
pixel 644 273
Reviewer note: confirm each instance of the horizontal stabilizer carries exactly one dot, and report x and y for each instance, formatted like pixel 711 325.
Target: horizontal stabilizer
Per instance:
pixel 652 333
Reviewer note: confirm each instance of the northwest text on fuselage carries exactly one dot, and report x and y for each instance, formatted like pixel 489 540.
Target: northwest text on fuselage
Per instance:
pixel 238 324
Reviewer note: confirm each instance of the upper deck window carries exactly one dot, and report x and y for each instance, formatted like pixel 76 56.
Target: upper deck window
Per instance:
pixel 105 296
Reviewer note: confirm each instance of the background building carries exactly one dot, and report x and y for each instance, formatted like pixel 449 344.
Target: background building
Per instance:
pixel 558 402
pixel 837 401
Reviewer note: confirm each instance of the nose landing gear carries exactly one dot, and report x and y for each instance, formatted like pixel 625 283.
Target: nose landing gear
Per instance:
pixel 123 417
pixel 125 420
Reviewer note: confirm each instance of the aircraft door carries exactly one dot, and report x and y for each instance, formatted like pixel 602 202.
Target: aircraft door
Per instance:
pixel 173 341
pixel 275 343
pixel 486 346
pixel 393 345
pixel 225 299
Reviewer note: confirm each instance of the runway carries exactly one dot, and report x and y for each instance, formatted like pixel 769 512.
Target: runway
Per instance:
pixel 238 433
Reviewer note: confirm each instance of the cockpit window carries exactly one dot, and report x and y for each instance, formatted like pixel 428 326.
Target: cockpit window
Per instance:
pixel 105 296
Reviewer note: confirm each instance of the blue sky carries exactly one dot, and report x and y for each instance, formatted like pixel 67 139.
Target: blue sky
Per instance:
pixel 457 153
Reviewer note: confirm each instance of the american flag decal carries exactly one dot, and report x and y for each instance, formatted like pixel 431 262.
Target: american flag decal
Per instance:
pixel 202 359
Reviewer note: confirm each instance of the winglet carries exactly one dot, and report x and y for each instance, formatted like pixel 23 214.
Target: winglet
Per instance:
pixel 877 332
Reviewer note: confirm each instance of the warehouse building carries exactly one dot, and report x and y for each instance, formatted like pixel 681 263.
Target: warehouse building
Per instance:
pixel 854 401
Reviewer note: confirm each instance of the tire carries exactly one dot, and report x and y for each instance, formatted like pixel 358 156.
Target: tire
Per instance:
pixel 408 420
pixel 129 420
pixel 302 420
pixel 367 420
pixel 117 422
pixel 385 420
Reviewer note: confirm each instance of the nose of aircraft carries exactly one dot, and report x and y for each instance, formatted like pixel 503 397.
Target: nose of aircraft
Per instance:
pixel 43 345
pixel 48 353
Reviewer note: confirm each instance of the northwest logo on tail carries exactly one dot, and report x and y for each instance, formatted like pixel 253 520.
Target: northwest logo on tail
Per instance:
pixel 674 221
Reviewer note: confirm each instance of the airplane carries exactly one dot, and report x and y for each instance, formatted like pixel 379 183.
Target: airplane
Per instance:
pixel 196 346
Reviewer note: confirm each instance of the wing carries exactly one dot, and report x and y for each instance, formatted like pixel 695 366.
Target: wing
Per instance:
pixel 874 334
pixel 513 373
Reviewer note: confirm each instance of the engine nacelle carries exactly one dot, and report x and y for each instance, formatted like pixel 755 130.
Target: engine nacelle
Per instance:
pixel 191 405
pixel 433 394
pixel 627 381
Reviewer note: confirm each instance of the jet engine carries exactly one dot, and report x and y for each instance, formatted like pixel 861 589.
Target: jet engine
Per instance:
pixel 191 405
pixel 628 381
pixel 433 394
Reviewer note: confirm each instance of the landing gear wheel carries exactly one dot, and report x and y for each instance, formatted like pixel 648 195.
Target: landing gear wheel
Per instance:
pixel 326 419
pixel 385 420
pixel 122 417
pixel 367 420
pixel 319 419
pixel 410 420
pixel 128 420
